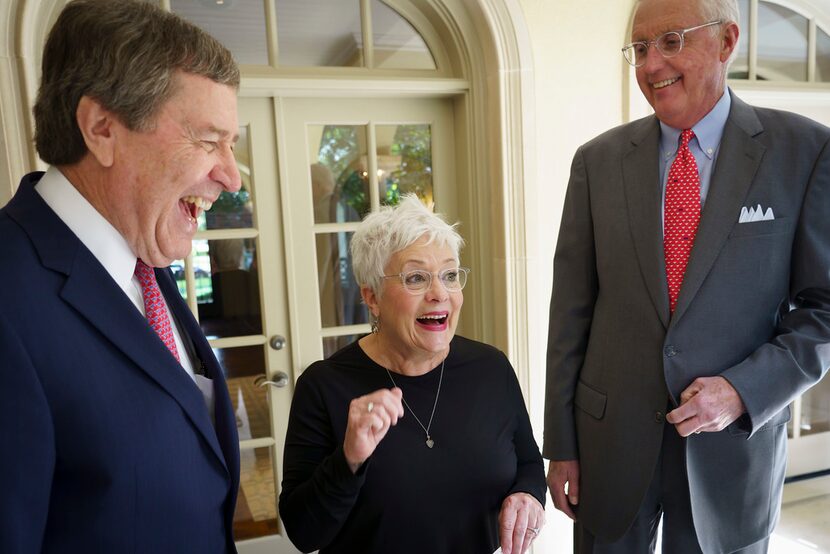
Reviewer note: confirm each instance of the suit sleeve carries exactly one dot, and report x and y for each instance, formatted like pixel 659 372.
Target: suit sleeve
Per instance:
pixel 27 444
pixel 571 312
pixel 799 355
pixel 319 489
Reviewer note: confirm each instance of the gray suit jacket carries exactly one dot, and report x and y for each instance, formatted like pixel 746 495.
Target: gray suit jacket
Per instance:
pixel 754 307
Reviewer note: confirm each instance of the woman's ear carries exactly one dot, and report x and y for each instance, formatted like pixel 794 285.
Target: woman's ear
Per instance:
pixel 370 299
pixel 96 124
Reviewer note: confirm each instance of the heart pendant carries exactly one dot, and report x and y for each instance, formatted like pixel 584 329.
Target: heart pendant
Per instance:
pixel 430 443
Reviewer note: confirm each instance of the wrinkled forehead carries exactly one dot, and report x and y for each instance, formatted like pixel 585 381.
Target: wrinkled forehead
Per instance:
pixel 655 17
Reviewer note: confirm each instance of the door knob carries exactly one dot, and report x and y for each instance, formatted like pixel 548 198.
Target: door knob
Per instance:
pixel 280 380
pixel 277 342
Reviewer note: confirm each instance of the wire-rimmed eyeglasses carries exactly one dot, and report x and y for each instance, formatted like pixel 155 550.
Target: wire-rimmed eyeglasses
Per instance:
pixel 668 44
pixel 418 280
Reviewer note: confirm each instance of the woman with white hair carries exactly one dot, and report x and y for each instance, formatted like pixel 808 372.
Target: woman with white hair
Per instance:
pixel 411 439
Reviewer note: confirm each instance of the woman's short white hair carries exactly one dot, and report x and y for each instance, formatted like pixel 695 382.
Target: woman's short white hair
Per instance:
pixel 392 229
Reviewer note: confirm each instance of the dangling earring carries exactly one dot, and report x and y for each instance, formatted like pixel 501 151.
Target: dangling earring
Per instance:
pixel 374 322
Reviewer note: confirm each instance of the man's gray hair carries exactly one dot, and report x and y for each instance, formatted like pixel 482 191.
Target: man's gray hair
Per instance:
pixel 125 55
pixel 392 229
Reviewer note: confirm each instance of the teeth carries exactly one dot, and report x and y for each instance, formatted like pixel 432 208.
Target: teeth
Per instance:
pixel 432 317
pixel 199 202
pixel 667 82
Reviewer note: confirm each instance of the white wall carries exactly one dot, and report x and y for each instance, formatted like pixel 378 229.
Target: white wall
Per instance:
pixel 578 81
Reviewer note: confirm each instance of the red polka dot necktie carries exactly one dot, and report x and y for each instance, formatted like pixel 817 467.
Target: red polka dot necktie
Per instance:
pixel 154 307
pixel 681 215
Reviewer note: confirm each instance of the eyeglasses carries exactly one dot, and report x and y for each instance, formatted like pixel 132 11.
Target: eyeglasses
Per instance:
pixel 418 280
pixel 668 44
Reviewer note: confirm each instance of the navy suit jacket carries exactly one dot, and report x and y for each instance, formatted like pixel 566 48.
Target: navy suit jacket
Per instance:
pixel 107 445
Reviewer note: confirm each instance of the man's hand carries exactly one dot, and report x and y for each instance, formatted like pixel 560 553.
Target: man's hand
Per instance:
pixel 561 473
pixel 709 404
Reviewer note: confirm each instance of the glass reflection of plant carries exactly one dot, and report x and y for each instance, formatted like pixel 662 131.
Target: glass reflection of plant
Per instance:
pixel 340 152
pixel 413 144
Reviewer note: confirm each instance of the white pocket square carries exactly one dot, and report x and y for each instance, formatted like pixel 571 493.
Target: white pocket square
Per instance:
pixel 749 215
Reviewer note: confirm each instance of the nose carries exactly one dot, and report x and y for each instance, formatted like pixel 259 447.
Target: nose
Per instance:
pixel 226 171
pixel 436 291
pixel 654 59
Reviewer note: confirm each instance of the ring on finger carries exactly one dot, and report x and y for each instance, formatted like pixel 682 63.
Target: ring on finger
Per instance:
pixel 533 530
pixel 370 406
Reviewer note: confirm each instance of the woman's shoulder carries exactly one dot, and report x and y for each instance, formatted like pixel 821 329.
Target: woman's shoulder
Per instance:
pixel 348 359
pixel 465 351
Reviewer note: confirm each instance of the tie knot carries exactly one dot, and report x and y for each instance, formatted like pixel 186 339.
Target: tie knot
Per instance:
pixel 144 273
pixel 685 137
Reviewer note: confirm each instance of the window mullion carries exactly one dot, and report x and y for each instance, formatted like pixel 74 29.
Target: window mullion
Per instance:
pixel 753 40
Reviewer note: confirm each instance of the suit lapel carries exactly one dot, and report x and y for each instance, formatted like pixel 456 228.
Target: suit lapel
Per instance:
pixel 641 181
pixel 738 160
pixel 91 291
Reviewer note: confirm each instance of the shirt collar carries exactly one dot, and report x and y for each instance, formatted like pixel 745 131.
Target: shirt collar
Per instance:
pixel 95 232
pixel 708 131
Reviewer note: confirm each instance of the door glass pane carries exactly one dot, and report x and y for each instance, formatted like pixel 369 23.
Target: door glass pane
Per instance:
pixel 815 409
pixel 333 344
pixel 340 301
pixel 234 210
pixel 823 57
pixel 240 26
pixel 740 66
pixel 782 43
pixel 256 507
pixel 340 177
pixel 319 33
pixel 227 287
pixel 177 267
pixel 396 43
pixel 244 368
pixel 404 162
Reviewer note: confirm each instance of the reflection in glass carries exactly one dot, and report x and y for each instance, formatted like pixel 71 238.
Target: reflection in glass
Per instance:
pixel 227 287
pixel 815 409
pixel 244 369
pixel 404 162
pixel 340 301
pixel 340 177
pixel 782 43
pixel 397 45
pixel 240 26
pixel 822 57
pixel 333 344
pixel 319 33
pixel 234 210
pixel 177 267
pixel 256 506
pixel 740 67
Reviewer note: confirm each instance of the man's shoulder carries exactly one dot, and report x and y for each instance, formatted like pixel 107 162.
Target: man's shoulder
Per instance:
pixel 622 135
pixel 776 121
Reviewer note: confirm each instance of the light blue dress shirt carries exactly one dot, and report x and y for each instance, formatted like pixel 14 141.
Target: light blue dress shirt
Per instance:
pixel 705 146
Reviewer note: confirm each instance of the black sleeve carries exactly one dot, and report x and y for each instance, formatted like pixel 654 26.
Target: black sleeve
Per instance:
pixel 318 488
pixel 530 470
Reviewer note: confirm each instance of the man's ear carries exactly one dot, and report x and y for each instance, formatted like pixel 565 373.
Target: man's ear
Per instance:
pixel 97 127
pixel 729 41
pixel 370 299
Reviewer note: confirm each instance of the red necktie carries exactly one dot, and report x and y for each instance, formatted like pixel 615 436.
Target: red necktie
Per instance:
pixel 681 215
pixel 154 307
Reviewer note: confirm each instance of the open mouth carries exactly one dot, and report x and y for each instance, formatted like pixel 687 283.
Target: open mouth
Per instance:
pixel 195 205
pixel 435 321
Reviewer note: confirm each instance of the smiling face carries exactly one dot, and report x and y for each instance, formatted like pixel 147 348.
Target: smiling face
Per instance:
pixel 419 325
pixel 163 178
pixel 684 88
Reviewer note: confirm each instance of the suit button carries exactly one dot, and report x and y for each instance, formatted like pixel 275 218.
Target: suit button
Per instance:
pixel 659 417
pixel 670 351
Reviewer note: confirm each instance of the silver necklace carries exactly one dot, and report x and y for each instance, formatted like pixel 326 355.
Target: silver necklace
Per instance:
pixel 429 441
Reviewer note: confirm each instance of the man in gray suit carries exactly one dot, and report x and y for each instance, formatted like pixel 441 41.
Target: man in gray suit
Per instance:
pixel 691 302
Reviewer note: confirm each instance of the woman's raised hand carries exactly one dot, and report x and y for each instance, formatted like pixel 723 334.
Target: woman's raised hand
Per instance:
pixel 370 417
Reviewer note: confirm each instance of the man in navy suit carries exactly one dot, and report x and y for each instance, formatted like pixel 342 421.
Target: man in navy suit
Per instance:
pixel 690 305
pixel 117 433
